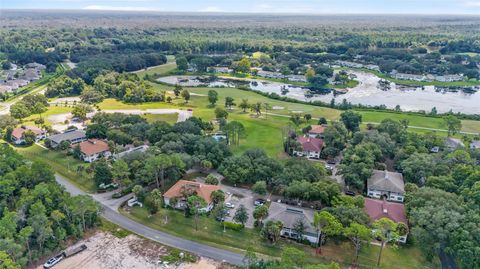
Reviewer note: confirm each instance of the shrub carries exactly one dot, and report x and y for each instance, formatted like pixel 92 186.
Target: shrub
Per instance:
pixel 233 226
pixel 211 180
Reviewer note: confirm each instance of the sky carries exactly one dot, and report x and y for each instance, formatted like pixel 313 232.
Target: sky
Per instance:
pixel 260 6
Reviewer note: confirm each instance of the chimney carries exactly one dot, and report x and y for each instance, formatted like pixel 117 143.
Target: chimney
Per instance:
pixel 386 174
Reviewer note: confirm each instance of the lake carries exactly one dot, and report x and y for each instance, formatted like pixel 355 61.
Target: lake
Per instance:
pixel 367 92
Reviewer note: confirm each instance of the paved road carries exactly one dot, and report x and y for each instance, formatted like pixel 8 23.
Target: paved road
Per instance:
pixel 111 214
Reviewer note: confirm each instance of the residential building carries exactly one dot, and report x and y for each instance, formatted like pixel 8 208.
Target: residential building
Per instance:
pixel 475 144
pixel 5 89
pixel 289 216
pixel 385 184
pixel 349 64
pixel 177 195
pixel 31 74
pixel 453 143
pixel 269 74
pixel 220 69
pixel 413 77
pixel 35 66
pixel 72 136
pixel 449 78
pixel 310 147
pixel 18 137
pixel 377 209
pixel 130 150
pixel 93 149
pixel 297 78
pixel 317 131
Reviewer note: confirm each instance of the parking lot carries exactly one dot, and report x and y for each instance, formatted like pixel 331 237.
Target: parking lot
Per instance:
pixel 240 196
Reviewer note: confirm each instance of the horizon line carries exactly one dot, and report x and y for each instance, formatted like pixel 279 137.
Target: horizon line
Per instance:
pixel 234 13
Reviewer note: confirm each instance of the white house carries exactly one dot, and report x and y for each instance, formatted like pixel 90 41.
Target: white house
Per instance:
pixel 18 134
pixel 386 184
pixel 94 149
pixel 177 195
pixel 310 147
pixel 289 216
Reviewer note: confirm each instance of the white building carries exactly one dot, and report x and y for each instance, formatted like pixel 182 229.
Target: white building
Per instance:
pixel 385 184
pixel 93 149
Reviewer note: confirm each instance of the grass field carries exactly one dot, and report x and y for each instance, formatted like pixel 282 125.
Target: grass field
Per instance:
pixel 211 233
pixel 61 163
pixel 170 118
pixel 159 70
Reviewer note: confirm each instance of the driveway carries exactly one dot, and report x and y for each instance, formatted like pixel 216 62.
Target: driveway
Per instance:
pixel 111 213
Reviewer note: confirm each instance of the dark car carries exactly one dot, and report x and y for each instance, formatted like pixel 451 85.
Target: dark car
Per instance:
pixel 331 161
pixel 351 193
pixel 259 202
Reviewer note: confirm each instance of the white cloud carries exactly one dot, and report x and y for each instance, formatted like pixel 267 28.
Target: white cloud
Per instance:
pixel 118 8
pixel 211 9
pixel 472 3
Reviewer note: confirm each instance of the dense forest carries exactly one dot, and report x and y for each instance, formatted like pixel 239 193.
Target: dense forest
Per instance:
pixel 37 214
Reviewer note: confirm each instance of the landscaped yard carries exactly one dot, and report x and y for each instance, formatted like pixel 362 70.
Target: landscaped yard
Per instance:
pixel 211 232
pixel 170 118
pixel 61 163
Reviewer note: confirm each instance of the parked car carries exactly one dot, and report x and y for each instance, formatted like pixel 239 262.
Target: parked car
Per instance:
pixel 331 161
pixel 351 193
pixel 54 260
pixel 259 202
pixel 229 205
pixel 133 202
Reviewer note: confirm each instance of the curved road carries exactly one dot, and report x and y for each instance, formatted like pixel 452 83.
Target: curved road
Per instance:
pixel 111 213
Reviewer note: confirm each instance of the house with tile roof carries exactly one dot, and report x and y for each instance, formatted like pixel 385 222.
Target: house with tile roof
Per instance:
pixel 93 149
pixel 310 147
pixel 377 209
pixel 289 216
pixel 317 131
pixel 385 184
pixel 177 195
pixel 18 133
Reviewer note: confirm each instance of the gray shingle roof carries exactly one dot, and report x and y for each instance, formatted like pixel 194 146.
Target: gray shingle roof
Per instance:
pixel 288 215
pixel 386 181
pixel 72 135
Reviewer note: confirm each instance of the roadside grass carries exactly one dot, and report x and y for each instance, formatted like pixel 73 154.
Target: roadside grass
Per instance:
pixel 61 163
pixel 170 118
pixel 52 110
pixel 211 232
pixel 114 229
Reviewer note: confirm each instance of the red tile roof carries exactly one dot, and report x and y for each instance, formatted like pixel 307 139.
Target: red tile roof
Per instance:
pixel 310 144
pixel 202 190
pixel 377 209
pixel 93 146
pixel 318 129
pixel 18 132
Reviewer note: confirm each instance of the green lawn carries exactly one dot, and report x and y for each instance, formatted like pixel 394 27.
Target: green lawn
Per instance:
pixel 266 133
pixel 211 233
pixel 170 118
pixel 61 163
pixel 159 70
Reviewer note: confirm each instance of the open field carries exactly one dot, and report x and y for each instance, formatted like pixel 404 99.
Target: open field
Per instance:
pixel 61 163
pixel 159 70
pixel 211 233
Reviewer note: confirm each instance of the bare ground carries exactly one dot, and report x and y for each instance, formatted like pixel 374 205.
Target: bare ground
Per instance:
pixel 105 251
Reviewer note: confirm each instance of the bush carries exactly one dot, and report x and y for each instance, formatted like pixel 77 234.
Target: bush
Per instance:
pixel 211 180
pixel 233 226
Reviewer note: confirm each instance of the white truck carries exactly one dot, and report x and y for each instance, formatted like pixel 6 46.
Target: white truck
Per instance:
pixel 64 254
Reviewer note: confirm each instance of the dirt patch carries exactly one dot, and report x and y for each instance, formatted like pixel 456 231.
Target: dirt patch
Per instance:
pixel 105 251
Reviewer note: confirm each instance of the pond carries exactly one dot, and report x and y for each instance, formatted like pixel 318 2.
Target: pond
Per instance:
pixel 368 92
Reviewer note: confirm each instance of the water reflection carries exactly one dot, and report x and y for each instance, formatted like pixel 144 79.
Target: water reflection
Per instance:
pixel 371 91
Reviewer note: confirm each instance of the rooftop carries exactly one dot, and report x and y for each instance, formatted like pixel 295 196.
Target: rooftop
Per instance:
pixel 377 209
pixel 310 143
pixel 70 135
pixel 200 189
pixel 386 181
pixel 318 129
pixel 288 215
pixel 18 132
pixel 93 146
